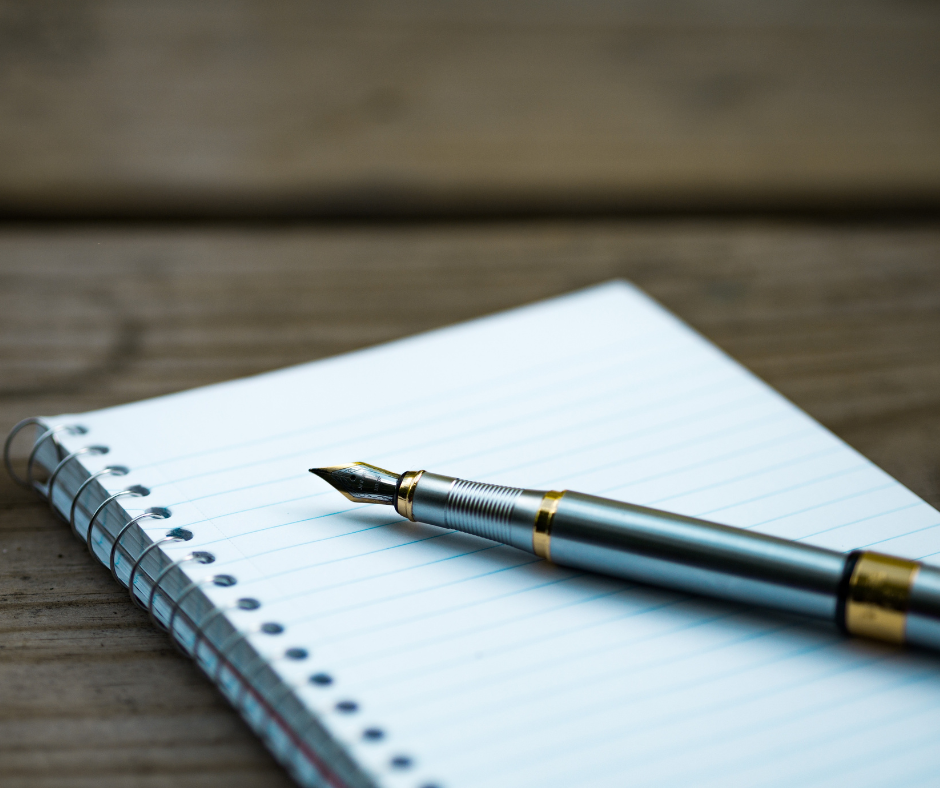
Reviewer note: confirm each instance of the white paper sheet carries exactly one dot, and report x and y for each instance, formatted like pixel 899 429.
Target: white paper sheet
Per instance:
pixel 486 667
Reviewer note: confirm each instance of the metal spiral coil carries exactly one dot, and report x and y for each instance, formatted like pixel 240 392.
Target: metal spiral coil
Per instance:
pixel 463 507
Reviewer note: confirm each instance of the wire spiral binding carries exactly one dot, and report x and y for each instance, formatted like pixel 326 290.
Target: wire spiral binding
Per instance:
pixel 110 470
pixel 220 580
pixel 199 555
pixel 137 491
pixel 175 535
pixel 50 484
pixel 199 628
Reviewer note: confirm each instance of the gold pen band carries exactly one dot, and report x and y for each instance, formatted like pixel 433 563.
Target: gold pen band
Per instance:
pixel 405 497
pixel 542 530
pixel 877 597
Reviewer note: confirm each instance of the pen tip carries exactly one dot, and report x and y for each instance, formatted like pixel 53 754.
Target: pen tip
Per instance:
pixel 360 482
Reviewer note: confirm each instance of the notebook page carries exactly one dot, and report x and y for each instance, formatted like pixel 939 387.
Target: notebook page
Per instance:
pixel 484 666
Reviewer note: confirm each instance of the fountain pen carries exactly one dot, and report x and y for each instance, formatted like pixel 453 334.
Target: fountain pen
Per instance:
pixel 864 593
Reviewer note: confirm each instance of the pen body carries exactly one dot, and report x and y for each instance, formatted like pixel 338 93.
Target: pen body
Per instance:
pixel 696 556
pixel 865 593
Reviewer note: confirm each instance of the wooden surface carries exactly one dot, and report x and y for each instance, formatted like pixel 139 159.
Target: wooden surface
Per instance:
pixel 168 107
pixel 371 112
pixel 845 321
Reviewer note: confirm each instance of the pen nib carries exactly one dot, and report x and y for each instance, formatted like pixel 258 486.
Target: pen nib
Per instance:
pixel 361 482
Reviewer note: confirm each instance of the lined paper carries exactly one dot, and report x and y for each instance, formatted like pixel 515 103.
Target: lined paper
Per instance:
pixel 484 666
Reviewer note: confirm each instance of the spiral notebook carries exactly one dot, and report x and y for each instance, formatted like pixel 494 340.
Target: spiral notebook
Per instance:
pixel 370 651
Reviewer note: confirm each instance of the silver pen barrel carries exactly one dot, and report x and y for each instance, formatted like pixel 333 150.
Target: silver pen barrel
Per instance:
pixel 865 593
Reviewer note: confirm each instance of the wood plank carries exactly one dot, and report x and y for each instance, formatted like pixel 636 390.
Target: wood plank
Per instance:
pixel 313 108
pixel 844 320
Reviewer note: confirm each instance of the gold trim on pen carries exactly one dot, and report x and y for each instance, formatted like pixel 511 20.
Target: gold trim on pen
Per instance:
pixel 877 600
pixel 542 530
pixel 405 499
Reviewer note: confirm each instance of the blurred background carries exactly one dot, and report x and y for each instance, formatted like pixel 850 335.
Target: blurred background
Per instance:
pixel 428 110
pixel 193 191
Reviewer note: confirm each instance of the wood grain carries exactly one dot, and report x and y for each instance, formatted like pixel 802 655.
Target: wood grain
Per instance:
pixel 171 109
pixel 843 320
pixel 165 107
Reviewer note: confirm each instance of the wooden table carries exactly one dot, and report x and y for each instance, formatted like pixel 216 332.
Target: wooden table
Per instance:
pixel 720 201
